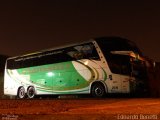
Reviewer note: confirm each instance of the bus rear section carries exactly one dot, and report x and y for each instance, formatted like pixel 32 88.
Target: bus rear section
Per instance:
pixel 71 70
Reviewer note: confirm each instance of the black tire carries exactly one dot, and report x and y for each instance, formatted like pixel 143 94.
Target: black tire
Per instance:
pixel 21 93
pixel 31 92
pixel 98 90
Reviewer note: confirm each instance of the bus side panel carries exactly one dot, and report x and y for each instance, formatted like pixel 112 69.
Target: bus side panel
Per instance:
pixel 10 84
pixel 72 77
pixel 58 78
pixel 92 70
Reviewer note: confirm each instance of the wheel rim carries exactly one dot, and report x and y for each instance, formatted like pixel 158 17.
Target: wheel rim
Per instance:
pixel 21 93
pixel 31 92
pixel 99 91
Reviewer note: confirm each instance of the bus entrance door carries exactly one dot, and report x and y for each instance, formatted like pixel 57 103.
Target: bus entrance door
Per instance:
pixel 125 85
pixel 115 83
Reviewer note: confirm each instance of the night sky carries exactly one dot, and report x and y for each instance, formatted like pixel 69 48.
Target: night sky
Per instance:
pixel 29 26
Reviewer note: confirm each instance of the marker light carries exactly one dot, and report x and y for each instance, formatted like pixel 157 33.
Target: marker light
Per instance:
pixel 50 74
pixel 86 62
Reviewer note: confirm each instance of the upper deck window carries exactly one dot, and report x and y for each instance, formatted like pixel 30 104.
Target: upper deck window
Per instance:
pixel 117 44
pixel 82 51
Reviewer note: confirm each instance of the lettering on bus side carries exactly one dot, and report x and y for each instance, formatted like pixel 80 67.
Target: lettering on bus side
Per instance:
pixel 114 87
pixel 48 68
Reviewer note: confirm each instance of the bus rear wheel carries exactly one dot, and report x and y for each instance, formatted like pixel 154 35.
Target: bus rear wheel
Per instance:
pixel 31 92
pixel 98 90
pixel 21 93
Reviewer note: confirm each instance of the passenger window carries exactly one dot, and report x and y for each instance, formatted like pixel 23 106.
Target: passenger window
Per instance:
pixel 119 64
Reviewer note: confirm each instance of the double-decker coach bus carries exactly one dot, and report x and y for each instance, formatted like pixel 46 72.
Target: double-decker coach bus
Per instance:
pixel 97 67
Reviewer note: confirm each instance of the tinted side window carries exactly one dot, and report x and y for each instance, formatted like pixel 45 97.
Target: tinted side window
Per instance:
pixel 10 64
pixel 119 64
pixel 38 59
pixel 139 69
pixel 107 45
pixel 84 51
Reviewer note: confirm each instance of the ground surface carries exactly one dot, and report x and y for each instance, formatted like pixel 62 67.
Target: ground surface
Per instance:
pixel 79 109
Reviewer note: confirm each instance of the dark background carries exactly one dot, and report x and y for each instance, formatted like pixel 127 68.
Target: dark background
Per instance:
pixel 28 26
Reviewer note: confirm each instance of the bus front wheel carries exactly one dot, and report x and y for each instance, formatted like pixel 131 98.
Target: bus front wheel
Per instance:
pixel 21 93
pixel 31 92
pixel 98 90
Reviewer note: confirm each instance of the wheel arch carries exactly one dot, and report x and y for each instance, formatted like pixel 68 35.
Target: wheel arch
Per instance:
pixel 99 82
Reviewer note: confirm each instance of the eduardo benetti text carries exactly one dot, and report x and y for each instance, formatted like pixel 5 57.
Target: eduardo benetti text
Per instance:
pixel 137 117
